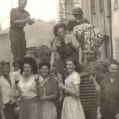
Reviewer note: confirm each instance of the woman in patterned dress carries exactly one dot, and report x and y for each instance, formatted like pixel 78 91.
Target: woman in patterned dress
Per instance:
pixel 72 108
pixel 19 17
pixel 29 101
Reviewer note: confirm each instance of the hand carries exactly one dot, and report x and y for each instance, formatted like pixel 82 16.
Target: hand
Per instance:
pixel 99 116
pixel 98 113
pixel 60 99
pixel 44 97
pixel 31 21
pixel 27 19
pixel 12 100
pixel 61 85
pixel 117 116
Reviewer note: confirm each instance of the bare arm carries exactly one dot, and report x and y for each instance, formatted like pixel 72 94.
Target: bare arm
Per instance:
pixel 27 20
pixel 52 59
pixel 95 83
pixel 59 76
pixel 72 92
pixel 49 97
pixel 80 54
pixel 19 21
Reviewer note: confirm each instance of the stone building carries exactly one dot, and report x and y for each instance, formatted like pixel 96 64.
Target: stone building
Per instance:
pixel 103 14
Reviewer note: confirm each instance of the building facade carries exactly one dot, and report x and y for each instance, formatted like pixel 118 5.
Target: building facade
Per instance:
pixel 104 15
pixel 115 28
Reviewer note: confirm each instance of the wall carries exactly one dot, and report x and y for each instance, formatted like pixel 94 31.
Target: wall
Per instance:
pixel 115 29
pixel 98 13
pixel 5 48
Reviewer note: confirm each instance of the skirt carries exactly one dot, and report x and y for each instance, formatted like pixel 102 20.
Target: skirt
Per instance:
pixel 9 111
pixel 48 110
pixel 72 109
pixel 30 109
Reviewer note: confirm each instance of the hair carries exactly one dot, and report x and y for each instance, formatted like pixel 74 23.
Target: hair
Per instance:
pixel 58 26
pixel 22 0
pixel 78 67
pixel 3 63
pixel 31 62
pixel 44 64
pixel 16 61
pixel 114 62
pixel 101 67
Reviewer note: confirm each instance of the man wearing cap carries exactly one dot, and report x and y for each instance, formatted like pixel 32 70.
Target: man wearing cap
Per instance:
pixel 79 19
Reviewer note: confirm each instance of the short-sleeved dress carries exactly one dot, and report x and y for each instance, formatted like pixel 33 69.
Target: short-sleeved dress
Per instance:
pixel 65 49
pixel 29 102
pixel 16 33
pixel 48 108
pixel 72 108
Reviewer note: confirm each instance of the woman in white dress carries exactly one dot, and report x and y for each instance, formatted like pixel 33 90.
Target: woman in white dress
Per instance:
pixel 29 101
pixel 72 108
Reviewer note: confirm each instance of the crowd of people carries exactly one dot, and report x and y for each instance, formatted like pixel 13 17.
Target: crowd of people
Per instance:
pixel 56 89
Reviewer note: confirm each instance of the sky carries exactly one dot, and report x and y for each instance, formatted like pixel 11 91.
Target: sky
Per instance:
pixel 39 9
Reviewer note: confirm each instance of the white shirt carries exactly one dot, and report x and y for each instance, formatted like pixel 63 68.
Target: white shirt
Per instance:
pixel 8 90
pixel 27 89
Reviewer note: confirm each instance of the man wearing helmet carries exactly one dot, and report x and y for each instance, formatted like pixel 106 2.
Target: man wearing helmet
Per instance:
pixel 79 19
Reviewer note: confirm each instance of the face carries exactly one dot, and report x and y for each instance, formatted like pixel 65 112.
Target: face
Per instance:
pixel 113 69
pixel 76 16
pixel 70 66
pixel 22 4
pixel 61 33
pixel 44 71
pixel 5 70
pixel 27 69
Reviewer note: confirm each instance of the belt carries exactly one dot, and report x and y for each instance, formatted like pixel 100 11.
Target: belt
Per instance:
pixel 29 100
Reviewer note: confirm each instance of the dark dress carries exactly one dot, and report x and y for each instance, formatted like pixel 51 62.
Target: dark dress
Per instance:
pixel 17 34
pixel 65 49
pixel 48 88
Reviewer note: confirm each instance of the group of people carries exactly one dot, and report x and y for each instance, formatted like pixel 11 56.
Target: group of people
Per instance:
pixel 39 92
pixel 51 90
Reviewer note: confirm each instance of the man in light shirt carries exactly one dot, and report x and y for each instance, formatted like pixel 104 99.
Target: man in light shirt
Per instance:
pixel 7 83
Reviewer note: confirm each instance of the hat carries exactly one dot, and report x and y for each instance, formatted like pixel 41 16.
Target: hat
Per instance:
pixel 77 11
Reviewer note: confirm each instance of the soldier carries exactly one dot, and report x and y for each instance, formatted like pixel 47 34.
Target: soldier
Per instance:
pixel 79 19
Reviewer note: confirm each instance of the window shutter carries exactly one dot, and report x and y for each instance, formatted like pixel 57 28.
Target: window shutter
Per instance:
pixel 93 9
pixel 117 48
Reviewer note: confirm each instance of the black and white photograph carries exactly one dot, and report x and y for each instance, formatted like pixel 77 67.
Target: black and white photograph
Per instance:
pixel 59 59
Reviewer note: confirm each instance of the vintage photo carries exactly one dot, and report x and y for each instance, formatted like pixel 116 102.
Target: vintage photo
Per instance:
pixel 59 59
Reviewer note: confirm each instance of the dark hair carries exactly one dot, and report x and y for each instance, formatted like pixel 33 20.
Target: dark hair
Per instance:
pixel 114 62
pixel 31 62
pixel 3 63
pixel 101 67
pixel 78 67
pixel 22 0
pixel 58 26
pixel 44 64
pixel 16 61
